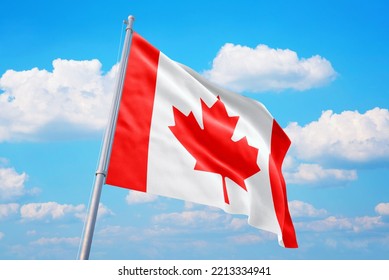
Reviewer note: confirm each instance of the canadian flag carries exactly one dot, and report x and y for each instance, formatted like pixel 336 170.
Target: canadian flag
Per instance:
pixel 180 136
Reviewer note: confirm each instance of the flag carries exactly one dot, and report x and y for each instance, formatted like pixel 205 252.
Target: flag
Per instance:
pixel 178 135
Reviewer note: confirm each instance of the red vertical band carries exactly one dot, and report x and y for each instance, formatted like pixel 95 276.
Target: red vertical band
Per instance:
pixel 279 146
pixel 129 156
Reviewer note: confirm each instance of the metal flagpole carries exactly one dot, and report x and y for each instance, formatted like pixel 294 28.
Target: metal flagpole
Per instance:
pixel 106 147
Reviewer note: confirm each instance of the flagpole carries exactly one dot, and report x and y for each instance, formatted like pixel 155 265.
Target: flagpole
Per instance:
pixel 101 171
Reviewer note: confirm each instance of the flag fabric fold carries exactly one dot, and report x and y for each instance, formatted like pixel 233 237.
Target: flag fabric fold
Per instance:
pixel 180 136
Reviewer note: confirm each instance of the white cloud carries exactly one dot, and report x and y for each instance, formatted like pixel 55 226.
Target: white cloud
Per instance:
pixel 242 68
pixel 329 223
pixel 382 209
pixel 103 211
pixel 355 244
pixel 199 244
pixel 366 223
pixel 11 183
pixel 188 217
pixel 302 209
pixel 72 99
pixel 112 230
pixel 246 239
pixel 349 136
pixel 31 232
pixel 158 231
pixel 237 223
pixel 333 223
pixel 135 197
pixel 189 205
pixel 53 210
pixel 1 235
pixel 57 240
pixel 314 174
pixel 8 209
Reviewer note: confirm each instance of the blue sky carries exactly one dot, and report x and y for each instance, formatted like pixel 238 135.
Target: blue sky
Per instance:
pixel 319 67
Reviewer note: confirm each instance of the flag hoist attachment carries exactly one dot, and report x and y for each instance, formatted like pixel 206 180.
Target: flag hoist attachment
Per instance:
pixel 101 171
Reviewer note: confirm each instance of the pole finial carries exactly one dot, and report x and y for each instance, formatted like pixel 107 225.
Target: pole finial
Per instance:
pixel 129 22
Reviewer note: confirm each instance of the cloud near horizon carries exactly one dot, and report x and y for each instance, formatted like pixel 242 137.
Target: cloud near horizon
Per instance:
pixel 299 208
pixel 50 210
pixel 316 175
pixel 54 211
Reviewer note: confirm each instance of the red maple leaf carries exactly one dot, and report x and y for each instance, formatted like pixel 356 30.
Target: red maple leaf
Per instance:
pixel 212 146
